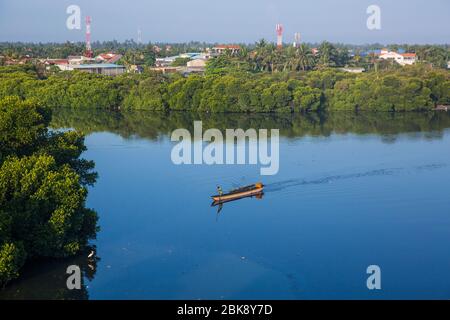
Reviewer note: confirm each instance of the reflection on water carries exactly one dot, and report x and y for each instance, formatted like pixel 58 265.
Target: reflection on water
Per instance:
pixel 353 190
pixel 154 125
pixel 46 279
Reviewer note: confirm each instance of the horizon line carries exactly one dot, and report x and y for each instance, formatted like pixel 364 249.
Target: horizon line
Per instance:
pixel 237 42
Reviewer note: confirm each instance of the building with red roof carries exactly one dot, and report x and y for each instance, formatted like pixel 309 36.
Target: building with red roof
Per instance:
pixel 401 58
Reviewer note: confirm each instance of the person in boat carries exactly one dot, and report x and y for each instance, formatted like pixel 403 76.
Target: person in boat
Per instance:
pixel 219 191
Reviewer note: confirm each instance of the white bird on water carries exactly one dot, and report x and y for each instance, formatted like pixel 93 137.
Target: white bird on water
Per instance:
pixel 91 255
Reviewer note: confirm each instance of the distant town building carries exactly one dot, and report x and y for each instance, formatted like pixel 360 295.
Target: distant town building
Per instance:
pixel 197 63
pixel 191 55
pixel 107 69
pixel 9 62
pixel 378 52
pixel 195 66
pixel 62 64
pixel 165 62
pixel 372 53
pixel 401 58
pixel 76 60
pixel 220 49
pixel 165 70
pixel 409 58
pixel 108 57
pixel 80 62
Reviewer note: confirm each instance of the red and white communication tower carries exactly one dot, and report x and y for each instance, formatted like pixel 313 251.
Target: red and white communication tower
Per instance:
pixel 279 29
pixel 88 52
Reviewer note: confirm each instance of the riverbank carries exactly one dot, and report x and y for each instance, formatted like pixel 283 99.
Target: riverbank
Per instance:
pixel 413 88
pixel 43 189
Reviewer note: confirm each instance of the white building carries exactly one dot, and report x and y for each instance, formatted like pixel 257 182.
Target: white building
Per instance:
pixel 165 62
pixel 77 60
pixel 107 69
pixel 197 63
pixel 62 64
pixel 401 58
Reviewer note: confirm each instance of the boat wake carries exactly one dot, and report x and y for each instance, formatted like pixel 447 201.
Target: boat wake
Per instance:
pixel 282 185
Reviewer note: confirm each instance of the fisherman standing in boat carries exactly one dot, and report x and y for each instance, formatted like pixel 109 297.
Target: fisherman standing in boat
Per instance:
pixel 219 191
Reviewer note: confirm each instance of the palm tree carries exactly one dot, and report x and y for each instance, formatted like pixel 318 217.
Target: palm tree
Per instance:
pixel 279 62
pixel 242 56
pixel 269 58
pixel 261 44
pixel 260 55
pixel 303 58
pixel 327 54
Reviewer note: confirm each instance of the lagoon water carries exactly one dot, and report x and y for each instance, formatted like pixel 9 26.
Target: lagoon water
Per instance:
pixel 352 191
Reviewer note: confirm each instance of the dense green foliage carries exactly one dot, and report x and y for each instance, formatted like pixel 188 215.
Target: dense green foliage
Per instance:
pixel 42 192
pixel 232 89
pixel 392 92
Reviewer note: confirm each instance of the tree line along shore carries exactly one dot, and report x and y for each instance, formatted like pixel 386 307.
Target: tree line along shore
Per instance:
pixel 43 188
pixel 224 88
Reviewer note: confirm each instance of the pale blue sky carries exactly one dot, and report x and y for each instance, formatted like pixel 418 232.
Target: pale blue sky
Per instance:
pixel 403 21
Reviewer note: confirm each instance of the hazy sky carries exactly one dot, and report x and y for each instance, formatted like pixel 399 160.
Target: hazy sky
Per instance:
pixel 402 21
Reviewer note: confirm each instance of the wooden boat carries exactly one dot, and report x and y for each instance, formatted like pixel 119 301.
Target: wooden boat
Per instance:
pixel 244 192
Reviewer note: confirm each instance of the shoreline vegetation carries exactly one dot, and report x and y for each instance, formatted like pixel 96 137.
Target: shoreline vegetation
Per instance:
pixel 411 88
pixel 43 189
pixel 258 78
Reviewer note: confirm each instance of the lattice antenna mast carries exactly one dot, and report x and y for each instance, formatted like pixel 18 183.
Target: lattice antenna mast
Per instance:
pixel 139 37
pixel 88 52
pixel 279 29
pixel 297 39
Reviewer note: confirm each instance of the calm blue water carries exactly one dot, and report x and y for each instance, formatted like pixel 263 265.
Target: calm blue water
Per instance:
pixel 351 192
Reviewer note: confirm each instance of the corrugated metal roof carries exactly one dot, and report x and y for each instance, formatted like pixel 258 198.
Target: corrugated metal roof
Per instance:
pixel 193 53
pixel 199 56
